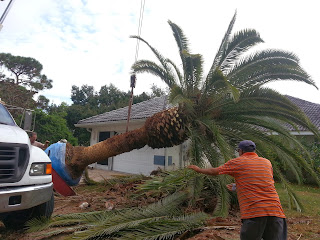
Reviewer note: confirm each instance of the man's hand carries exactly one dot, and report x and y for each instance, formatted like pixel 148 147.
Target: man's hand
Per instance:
pixel 45 145
pixel 208 171
pixel 194 167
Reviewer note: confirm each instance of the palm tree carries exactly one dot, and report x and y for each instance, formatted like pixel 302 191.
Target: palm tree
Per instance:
pixel 218 110
pixel 230 103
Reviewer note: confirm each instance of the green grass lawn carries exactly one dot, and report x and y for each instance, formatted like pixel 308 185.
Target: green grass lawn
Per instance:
pixel 304 225
pixel 309 196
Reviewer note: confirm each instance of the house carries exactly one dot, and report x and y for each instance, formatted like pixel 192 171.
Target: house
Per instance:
pixel 145 160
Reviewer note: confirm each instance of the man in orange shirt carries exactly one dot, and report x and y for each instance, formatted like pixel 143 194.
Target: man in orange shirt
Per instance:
pixel 261 213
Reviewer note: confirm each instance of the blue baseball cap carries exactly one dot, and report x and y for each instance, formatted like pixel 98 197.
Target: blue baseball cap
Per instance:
pixel 247 146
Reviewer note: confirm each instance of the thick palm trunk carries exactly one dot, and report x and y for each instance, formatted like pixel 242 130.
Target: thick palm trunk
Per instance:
pixel 164 129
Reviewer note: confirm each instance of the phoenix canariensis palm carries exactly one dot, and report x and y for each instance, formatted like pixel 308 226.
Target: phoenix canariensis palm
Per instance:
pixel 230 103
pixel 218 110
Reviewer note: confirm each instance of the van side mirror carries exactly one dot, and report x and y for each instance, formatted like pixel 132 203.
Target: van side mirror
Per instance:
pixel 27 120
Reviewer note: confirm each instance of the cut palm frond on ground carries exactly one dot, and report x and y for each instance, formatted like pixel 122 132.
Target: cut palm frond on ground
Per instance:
pixel 161 220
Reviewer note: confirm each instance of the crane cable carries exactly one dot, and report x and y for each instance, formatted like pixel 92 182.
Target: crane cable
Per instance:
pixel 133 76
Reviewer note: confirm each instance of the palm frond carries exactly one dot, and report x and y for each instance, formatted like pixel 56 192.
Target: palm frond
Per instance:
pixel 168 76
pixel 289 163
pixel 218 140
pixel 168 182
pixel 142 66
pixel 133 217
pixel 114 223
pixel 167 228
pixel 181 39
pixel 180 76
pixel 294 201
pixel 265 66
pixel 182 42
pixel 195 149
pixel 222 47
pixel 212 152
pixel 268 103
pixel 161 59
pixel 193 72
pixel 37 224
pixel 238 45
pixel 223 201
pixel 195 187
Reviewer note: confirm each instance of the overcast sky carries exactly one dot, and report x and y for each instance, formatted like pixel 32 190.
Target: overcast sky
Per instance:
pixel 87 41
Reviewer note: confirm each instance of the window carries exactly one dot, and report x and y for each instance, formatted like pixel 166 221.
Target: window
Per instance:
pixel 5 117
pixel 160 160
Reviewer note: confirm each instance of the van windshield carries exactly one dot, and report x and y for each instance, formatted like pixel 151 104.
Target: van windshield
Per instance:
pixel 5 117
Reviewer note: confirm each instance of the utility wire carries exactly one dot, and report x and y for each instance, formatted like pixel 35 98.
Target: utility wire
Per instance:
pixel 139 28
pixel 133 76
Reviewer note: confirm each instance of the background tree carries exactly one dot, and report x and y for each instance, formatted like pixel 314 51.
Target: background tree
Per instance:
pixel 52 127
pixel 16 95
pixel 83 95
pixel 20 80
pixel 42 102
pixel 112 98
pixel 24 71
pixel 157 91
pixel 76 113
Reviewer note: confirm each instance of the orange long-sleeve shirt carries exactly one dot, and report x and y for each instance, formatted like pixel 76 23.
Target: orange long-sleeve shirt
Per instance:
pixel 255 186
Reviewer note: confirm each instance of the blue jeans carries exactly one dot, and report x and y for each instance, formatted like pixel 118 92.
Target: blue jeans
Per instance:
pixel 266 228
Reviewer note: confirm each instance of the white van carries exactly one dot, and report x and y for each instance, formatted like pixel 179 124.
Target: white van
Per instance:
pixel 26 188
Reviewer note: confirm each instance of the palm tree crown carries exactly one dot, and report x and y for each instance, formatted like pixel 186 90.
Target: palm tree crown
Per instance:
pixel 230 103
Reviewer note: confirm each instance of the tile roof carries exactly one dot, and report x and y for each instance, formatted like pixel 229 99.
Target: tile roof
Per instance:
pixel 140 110
pixel 147 108
pixel 312 110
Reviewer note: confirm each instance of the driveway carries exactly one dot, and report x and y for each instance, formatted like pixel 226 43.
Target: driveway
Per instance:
pixel 99 175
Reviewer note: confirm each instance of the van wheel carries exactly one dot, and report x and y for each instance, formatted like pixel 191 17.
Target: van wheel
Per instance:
pixel 16 220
